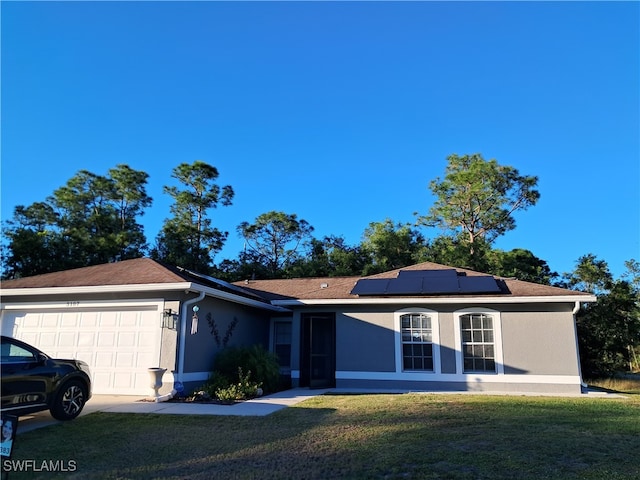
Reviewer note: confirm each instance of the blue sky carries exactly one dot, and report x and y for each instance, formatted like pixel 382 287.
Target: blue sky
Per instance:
pixel 340 112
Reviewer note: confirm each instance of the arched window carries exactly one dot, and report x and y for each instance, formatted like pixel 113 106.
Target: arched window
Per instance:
pixel 417 341
pixel 478 343
pixel 478 340
pixel 417 331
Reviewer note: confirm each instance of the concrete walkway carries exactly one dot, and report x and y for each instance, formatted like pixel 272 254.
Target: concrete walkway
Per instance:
pixel 257 407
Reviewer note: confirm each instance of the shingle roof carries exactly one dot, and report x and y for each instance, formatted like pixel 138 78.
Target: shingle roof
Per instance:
pixel 147 271
pixel 126 272
pixel 331 288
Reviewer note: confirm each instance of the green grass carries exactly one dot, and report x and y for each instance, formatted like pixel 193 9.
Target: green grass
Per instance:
pixel 357 437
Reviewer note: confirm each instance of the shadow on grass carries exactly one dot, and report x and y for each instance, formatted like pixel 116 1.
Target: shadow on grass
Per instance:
pixel 117 445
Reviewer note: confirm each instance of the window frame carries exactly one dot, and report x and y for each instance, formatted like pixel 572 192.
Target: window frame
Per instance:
pixel 274 333
pixel 497 340
pixel 435 341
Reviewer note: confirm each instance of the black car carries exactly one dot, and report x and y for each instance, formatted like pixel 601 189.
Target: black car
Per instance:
pixel 32 381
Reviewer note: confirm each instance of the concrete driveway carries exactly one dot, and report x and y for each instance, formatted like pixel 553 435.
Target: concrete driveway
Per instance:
pixel 98 403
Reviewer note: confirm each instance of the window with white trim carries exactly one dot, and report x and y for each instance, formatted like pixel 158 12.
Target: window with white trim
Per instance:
pixel 416 330
pixel 478 343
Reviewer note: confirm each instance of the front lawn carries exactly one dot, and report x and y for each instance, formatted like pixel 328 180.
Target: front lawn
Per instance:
pixel 358 436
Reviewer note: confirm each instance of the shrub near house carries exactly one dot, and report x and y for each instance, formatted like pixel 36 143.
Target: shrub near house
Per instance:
pixel 240 373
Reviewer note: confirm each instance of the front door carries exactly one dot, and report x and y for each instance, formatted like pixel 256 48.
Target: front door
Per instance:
pixel 318 350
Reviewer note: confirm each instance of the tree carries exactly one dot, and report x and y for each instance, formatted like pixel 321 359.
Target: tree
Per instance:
pixel 590 275
pixel 330 257
pixel 454 251
pixel 92 219
pixel 273 240
pixel 478 198
pixel 33 242
pixel 608 331
pixel 86 218
pixel 632 274
pixel 390 245
pixel 188 238
pixel 521 264
pixel 610 328
pixel 130 199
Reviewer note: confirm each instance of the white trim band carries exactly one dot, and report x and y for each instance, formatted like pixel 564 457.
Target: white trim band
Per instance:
pixel 467 377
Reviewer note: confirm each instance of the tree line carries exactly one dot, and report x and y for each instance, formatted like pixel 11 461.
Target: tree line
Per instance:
pixel 95 219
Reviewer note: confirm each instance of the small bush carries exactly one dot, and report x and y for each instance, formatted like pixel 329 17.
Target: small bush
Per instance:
pixel 243 389
pixel 227 395
pixel 262 364
pixel 216 382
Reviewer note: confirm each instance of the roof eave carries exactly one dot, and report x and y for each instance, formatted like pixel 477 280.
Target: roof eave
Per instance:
pixel 148 287
pixel 139 287
pixel 438 300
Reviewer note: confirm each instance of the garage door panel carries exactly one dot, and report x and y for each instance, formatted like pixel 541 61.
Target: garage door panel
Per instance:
pixel 147 322
pixel 104 360
pixel 86 339
pixel 108 319
pixel 142 379
pixel 127 339
pixel 68 340
pixel 89 319
pixel 31 339
pixel 123 380
pixel 106 339
pixel 119 344
pixel 86 357
pixel 66 354
pixel 125 359
pixel 44 339
pixel 102 378
pixel 50 320
pixel 69 320
pixel 129 319
pixel 147 358
pixel 29 321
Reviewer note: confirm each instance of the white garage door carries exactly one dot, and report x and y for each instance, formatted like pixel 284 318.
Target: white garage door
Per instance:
pixel 119 342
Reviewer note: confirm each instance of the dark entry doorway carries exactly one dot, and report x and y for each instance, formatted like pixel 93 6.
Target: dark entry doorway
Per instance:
pixel 318 366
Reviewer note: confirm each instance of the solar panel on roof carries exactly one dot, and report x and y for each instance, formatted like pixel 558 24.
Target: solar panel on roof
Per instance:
pixel 426 282
pixel 435 285
pixel 432 281
pixel 405 286
pixel 449 272
pixel 370 286
pixel 478 284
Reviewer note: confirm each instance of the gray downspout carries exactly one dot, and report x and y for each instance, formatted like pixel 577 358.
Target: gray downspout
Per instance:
pixel 183 333
pixel 575 310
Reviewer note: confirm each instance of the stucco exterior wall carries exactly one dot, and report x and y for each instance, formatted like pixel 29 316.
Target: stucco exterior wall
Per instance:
pixel 169 339
pixel 447 342
pixel 365 341
pixel 537 341
pixel 251 327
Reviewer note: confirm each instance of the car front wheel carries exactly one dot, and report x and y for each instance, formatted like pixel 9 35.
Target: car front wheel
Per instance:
pixel 70 401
